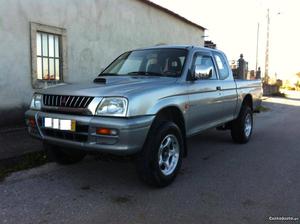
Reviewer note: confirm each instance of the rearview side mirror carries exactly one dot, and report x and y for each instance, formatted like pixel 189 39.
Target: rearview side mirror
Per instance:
pixel 201 72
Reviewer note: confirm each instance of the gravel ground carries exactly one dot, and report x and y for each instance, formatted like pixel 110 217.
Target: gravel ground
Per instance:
pixel 16 142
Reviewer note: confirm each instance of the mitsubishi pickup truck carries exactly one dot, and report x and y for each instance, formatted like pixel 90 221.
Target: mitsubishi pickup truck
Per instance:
pixel 146 103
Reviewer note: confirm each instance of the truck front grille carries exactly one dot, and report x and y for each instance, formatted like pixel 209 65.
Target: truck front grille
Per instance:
pixel 67 101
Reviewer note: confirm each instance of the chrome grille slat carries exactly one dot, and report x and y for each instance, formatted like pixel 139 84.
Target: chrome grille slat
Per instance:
pixel 56 101
pixel 60 100
pixel 87 102
pixel 81 101
pixel 66 104
pixel 73 97
pixel 66 101
pixel 76 101
pixel 45 99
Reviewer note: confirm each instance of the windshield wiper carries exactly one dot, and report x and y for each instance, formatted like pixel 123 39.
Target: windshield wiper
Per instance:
pixel 145 73
pixel 107 74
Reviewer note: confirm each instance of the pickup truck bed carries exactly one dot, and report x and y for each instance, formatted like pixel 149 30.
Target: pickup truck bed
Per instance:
pixel 252 87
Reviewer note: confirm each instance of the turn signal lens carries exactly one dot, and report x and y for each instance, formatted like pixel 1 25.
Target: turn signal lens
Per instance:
pixel 106 131
pixel 31 122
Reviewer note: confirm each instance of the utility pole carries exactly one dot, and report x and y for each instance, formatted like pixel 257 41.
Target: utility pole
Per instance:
pixel 267 49
pixel 257 40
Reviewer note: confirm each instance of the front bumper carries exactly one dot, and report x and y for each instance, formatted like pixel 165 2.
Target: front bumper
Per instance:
pixel 132 132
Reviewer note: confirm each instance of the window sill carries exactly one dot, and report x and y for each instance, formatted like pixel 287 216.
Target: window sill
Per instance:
pixel 42 84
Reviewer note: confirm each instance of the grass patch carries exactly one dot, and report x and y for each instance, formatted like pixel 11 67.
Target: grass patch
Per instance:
pixel 262 109
pixel 24 162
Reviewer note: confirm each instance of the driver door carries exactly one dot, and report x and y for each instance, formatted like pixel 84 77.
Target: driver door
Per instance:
pixel 204 95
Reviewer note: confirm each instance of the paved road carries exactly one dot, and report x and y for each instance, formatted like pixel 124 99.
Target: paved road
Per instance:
pixel 220 182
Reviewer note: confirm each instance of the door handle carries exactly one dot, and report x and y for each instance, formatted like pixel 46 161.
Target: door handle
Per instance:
pixel 218 88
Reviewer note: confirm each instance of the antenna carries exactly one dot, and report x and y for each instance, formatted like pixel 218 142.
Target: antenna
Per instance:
pixel 257 39
pixel 267 49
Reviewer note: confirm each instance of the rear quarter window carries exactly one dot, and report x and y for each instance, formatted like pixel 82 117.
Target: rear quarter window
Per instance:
pixel 222 66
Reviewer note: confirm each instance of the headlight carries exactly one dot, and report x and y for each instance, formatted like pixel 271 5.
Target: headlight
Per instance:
pixel 36 102
pixel 112 106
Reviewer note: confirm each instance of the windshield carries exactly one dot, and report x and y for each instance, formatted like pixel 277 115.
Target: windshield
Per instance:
pixel 152 62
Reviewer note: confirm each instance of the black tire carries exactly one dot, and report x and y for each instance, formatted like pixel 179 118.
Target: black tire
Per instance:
pixel 239 132
pixel 147 160
pixel 64 156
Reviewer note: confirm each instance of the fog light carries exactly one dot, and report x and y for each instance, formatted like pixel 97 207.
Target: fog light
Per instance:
pixel 106 131
pixel 31 122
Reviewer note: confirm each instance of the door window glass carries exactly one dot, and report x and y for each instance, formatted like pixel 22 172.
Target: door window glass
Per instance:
pixel 204 67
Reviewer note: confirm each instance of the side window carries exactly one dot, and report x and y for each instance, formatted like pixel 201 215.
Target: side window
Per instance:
pixel 204 67
pixel 222 66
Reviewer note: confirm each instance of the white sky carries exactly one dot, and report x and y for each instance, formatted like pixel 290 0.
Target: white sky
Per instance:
pixel 232 25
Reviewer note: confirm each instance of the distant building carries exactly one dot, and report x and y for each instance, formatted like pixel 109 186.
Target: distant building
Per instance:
pixel 210 44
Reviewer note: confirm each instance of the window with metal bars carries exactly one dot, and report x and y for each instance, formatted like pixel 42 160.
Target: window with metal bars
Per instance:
pixel 48 56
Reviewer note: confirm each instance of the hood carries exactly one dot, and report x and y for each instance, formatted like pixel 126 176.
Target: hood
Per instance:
pixel 112 86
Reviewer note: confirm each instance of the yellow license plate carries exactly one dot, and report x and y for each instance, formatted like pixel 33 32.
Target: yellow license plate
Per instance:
pixel 60 124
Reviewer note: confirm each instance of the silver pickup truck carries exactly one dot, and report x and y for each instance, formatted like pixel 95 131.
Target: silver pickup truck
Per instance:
pixel 146 103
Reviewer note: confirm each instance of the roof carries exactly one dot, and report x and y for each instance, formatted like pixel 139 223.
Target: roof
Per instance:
pixel 163 9
pixel 180 47
pixel 167 46
pixel 170 46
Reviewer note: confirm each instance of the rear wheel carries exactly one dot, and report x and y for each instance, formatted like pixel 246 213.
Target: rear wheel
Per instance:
pixel 242 127
pixel 160 160
pixel 64 156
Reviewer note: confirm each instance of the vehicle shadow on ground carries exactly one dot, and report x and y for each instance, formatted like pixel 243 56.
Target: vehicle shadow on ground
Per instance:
pixel 111 172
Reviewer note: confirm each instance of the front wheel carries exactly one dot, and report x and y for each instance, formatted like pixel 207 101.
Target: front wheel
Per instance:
pixel 242 127
pixel 160 160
